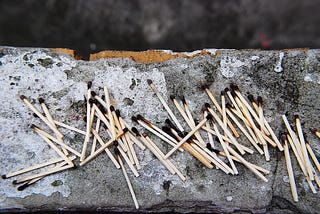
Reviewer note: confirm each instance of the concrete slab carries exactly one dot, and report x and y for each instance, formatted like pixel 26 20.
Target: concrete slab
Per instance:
pixel 288 81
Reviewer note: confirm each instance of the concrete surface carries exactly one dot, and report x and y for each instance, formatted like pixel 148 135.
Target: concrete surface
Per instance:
pixel 288 81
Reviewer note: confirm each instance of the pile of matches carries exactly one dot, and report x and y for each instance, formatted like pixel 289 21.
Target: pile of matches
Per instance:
pixel 218 124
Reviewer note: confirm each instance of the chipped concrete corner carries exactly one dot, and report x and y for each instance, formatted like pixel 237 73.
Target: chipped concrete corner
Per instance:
pixel 288 80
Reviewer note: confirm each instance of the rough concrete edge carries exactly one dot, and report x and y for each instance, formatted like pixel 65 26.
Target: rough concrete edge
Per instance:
pixel 71 52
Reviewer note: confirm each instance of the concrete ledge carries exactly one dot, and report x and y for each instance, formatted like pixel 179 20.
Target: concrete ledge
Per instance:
pixel 287 80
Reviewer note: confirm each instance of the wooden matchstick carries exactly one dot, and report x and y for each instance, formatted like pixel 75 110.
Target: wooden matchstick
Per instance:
pixel 57 140
pixel 165 105
pixel 162 136
pixel 224 146
pixel 190 149
pixel 53 146
pixel 216 104
pixel 189 121
pixel 88 127
pixel 31 168
pixel 316 132
pixel 102 117
pixel 126 158
pixel 127 179
pixel 209 117
pixel 40 115
pixel 274 137
pixel 218 162
pixel 69 127
pixel 225 129
pixel 304 148
pixel 188 112
pixel 297 153
pixel 290 171
pixel 205 113
pixel 223 106
pixel 102 148
pixel 313 156
pixel 94 142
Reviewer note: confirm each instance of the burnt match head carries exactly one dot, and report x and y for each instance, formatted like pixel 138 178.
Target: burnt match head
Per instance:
pixel 35 115
pixel 260 101
pixel 234 87
pixel 283 138
pixel 149 81
pixel 116 151
pixel 207 105
pixel 229 106
pixel 3 176
pixel 33 126
pixel 183 99
pixel 92 101
pixel 135 130
pixel 118 113
pixel 209 147
pixel 314 130
pixel 297 117
pixel 134 119
pixel 89 84
pixel 226 90
pixel 93 93
pixel 22 187
pixel 222 93
pixel 251 98
pixel 209 117
pixel 14 182
pixel 233 94
pixel 115 143
pixel 41 100
pixel 125 130
pixel 103 97
pixel 140 117
pixel 112 108
pixel 22 97
pixel 172 97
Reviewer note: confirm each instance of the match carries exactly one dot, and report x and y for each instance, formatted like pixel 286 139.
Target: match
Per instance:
pixel 313 156
pixel 316 132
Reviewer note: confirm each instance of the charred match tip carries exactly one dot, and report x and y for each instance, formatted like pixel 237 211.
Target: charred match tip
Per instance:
pixel 222 93
pixel 133 118
pixel 92 101
pixel 41 100
pixel 251 98
pixel 35 115
pixel 22 187
pixel 149 81
pixel 283 138
pixel 259 99
pixel 116 151
pixel 233 94
pixel 3 176
pixel 297 117
pixel 207 105
pixel 234 87
pixel 118 113
pixel 172 97
pixel 22 97
pixel 112 108
pixel 209 117
pixel 208 146
pixel 183 99
pixel 140 117
pixel 229 106
pixel 165 129
pixel 103 97
pixel 89 84
pixel 105 126
pixel 226 90
pixel 125 130
pixel 93 93
pixel 313 130
pixel 14 182
pixel 115 143
pixel 33 126
pixel 135 130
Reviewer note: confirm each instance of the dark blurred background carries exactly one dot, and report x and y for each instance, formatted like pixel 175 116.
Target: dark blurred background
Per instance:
pixel 89 26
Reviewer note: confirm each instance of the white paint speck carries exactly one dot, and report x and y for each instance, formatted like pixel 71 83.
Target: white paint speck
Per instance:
pixel 285 179
pixel 229 198
pixel 229 66
pixel 253 58
pixel 278 67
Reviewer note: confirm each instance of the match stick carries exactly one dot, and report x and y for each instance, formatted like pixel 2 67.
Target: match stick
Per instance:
pixel 190 149
pixel 54 170
pixel 209 117
pixel 223 106
pixel 216 104
pixel 244 132
pixel 274 137
pixel 165 105
pixel 57 140
pixel 169 163
pixel 153 131
pixel 188 120
pixel 290 171
pixel 224 146
pixel 94 142
pixel 102 148
pixel 53 146
pixel 97 136
pixel 40 115
pixel 188 112
pixel 49 117
pixel 297 153
pixel 102 117
pixel 132 151
pixel 316 132
pixel 234 103
pixel 225 129
pixel 31 168
pixel 304 148
pixel 88 128
pixel 209 130
pixel 126 158
pixel 313 156
pixel 218 162
pixel 69 127
pixel 205 113
pixel 117 152
pixel 253 113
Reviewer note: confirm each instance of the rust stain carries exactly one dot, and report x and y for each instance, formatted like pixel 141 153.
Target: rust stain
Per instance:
pixel 150 56
pixel 71 52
